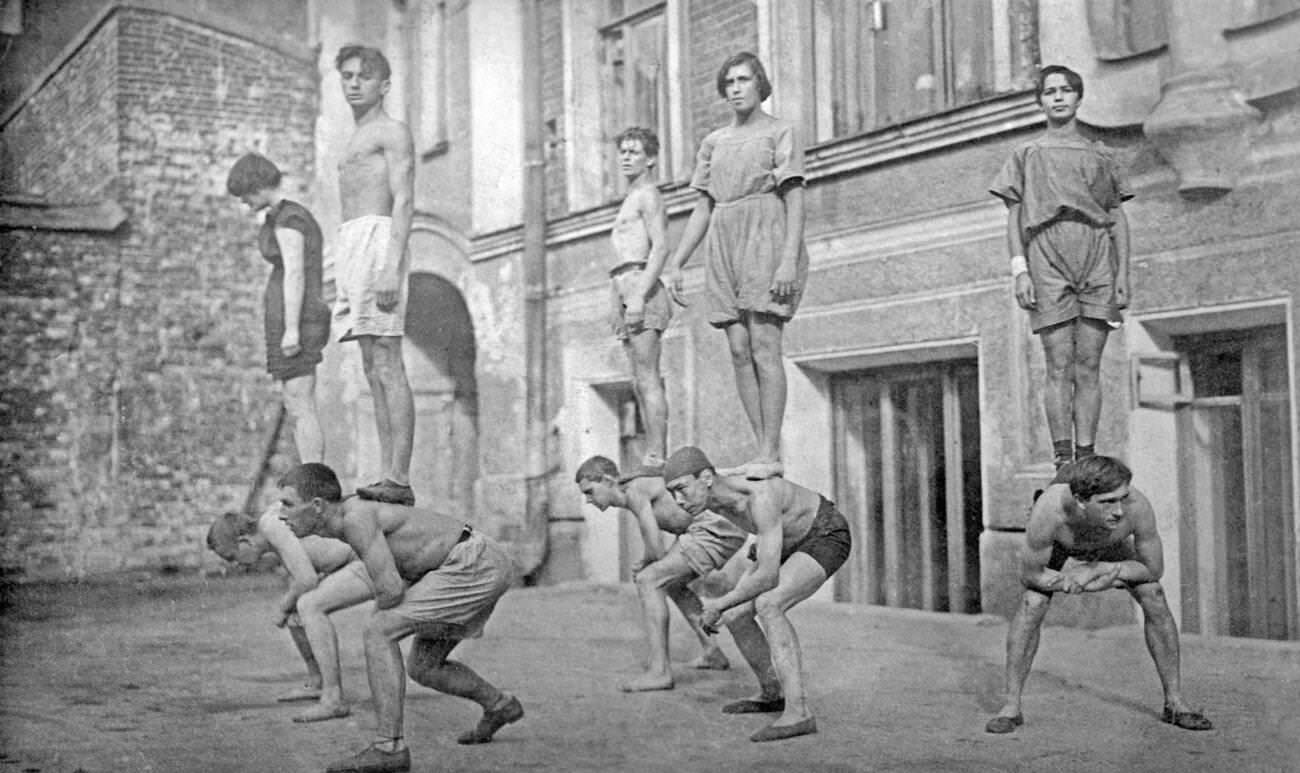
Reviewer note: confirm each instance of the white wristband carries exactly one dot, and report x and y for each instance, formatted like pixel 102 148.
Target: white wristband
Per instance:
pixel 1019 265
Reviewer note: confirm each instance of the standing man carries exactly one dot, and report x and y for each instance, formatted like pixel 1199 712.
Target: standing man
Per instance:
pixel 435 578
pixel 802 541
pixel 640 309
pixel 1069 243
pixel 376 180
pixel 706 542
pixel 1090 533
pixel 325 576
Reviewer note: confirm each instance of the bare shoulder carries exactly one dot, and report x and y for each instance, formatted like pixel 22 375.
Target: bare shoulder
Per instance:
pixel 1140 507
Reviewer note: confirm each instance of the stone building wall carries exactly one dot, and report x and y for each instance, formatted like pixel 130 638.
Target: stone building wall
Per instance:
pixel 141 407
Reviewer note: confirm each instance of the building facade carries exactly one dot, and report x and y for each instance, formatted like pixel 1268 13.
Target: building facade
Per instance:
pixel 915 384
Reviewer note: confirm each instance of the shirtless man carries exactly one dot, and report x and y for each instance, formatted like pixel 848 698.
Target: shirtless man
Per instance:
pixel 1092 531
pixel 435 578
pixel 802 541
pixel 706 543
pixel 376 182
pixel 325 576
pixel 639 307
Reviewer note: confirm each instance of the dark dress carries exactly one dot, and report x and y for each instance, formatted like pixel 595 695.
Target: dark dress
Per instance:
pixel 314 320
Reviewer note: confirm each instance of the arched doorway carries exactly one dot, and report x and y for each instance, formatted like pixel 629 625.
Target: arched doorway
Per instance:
pixel 440 352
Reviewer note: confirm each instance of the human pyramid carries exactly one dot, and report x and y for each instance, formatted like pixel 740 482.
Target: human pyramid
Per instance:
pixel 437 579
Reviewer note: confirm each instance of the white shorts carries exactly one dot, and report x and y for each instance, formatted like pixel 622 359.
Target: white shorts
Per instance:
pixel 361 248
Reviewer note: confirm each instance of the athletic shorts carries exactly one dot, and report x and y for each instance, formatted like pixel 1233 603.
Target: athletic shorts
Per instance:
pixel 744 244
pixel 709 541
pixel 1120 551
pixel 461 594
pixel 362 247
pixel 1072 265
pixel 828 540
pixel 658 307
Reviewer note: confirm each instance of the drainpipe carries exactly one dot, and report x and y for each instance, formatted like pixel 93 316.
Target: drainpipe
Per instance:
pixel 537 505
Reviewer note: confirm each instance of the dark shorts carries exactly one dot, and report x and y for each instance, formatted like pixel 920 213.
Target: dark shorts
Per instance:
pixel 1120 551
pixel 1072 265
pixel 828 540
pixel 312 335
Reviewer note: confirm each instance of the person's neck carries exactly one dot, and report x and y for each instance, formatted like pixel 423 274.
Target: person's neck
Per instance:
pixel 748 118
pixel 722 496
pixel 274 198
pixel 333 525
pixel 1068 129
pixel 639 181
pixel 365 115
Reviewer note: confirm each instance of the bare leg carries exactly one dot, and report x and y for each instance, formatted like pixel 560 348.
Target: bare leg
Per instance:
pixel 398 407
pixel 385 671
pixel 1089 342
pixel 311 689
pixel 1161 632
pixel 712 657
pixel 742 362
pixel 339 590
pixel 752 643
pixel 1022 644
pixel 765 333
pixel 801 576
pixel 1058 391
pixel 299 396
pixel 430 667
pixel 643 355
pixel 651 585
pixel 380 401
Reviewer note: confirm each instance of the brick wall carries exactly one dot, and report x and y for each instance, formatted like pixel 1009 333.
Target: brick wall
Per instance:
pixel 141 405
pixel 719 28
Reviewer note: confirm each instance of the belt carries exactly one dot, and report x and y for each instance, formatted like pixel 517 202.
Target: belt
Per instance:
pixel 623 268
pixel 465 534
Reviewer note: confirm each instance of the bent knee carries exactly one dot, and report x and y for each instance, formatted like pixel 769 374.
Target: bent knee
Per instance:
pixel 769 605
pixel 1035 601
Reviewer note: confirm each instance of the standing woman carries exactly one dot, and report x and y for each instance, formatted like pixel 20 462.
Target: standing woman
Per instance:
pixel 750 215
pixel 297 318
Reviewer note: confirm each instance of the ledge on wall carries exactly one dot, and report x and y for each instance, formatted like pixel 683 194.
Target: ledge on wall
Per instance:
pixel 40 215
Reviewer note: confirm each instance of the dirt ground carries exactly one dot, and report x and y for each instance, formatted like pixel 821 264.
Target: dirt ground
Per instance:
pixel 180 673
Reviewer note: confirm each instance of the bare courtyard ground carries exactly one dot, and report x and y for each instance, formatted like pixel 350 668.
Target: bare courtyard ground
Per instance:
pixel 180 673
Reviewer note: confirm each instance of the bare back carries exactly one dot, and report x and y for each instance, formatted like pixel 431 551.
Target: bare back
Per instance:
pixel 419 539
pixel 671 518
pixel 365 186
pixel 761 501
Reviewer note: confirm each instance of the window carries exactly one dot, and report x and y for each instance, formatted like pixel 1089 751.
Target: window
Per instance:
pixel 880 63
pixel 634 47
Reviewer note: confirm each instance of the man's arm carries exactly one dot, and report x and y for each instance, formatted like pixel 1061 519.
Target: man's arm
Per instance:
pixel 652 539
pixel 1120 234
pixel 361 530
pixel 1149 565
pixel 399 155
pixel 765 512
pixel 302 572
pixel 650 204
pixel 1034 557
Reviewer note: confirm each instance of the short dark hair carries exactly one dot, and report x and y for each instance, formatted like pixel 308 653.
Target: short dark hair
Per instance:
pixel 372 60
pixel 227 529
pixel 252 173
pixel 1071 77
pixel 1095 475
pixel 648 139
pixel 755 66
pixel 595 468
pixel 312 480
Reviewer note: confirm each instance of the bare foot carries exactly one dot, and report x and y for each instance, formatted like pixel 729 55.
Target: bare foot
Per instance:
pixel 304 693
pixel 322 712
pixel 648 682
pixel 713 660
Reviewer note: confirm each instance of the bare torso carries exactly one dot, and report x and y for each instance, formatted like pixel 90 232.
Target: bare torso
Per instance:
pixel 759 500
pixel 1078 536
pixel 629 235
pixel 668 515
pixel 419 539
pixel 364 187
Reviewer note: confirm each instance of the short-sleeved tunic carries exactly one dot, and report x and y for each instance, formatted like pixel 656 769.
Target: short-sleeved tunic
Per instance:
pixel 314 319
pixel 742 168
pixel 1068 189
